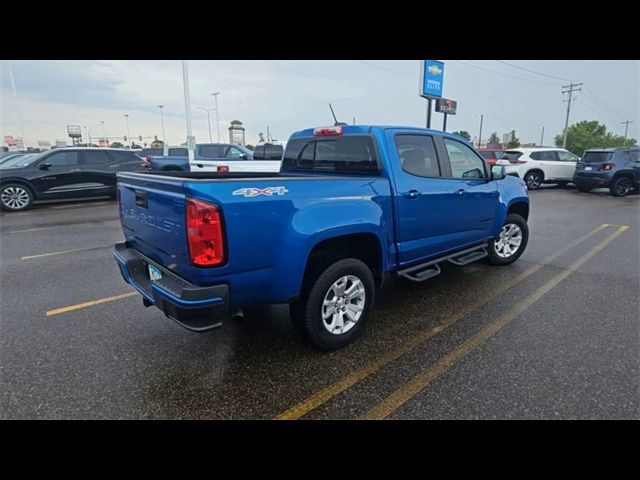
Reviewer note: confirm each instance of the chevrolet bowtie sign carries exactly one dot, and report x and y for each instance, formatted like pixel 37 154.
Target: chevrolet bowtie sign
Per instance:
pixel 431 78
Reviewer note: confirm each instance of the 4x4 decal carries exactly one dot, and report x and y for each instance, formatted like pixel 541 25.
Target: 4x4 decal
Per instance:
pixel 255 191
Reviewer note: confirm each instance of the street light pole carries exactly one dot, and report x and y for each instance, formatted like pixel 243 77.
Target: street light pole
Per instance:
pixel 126 116
pixel 480 135
pixel 164 137
pixel 215 96
pixel 104 132
pixel 208 121
pixel 187 108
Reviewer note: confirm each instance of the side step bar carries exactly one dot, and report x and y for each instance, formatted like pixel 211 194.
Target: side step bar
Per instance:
pixel 424 271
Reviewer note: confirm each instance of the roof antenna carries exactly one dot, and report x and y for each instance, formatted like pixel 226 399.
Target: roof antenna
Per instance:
pixel 337 123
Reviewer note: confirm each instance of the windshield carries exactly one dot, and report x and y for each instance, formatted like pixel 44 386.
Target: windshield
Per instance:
pixel 21 161
pixel 511 155
pixel 596 157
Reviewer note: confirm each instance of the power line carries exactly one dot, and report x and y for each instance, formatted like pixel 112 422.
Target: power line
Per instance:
pixel 507 75
pixel 385 68
pixel 596 100
pixel 597 113
pixel 532 71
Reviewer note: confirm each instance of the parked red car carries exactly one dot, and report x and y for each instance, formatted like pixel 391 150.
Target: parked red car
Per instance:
pixel 491 154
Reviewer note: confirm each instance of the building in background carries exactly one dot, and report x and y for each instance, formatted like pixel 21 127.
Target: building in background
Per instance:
pixel 44 144
pixel 237 133
pixel 13 143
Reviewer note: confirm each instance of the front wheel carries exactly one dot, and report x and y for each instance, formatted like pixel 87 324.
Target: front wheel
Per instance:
pixel 333 312
pixel 15 197
pixel 511 242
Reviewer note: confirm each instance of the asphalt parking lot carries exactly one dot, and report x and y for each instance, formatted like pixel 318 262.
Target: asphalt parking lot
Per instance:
pixel 554 336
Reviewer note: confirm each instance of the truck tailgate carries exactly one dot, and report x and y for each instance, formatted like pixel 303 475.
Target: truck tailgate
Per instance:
pixel 152 213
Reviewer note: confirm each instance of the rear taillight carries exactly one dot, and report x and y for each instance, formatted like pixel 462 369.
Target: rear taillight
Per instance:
pixel 223 169
pixel 607 166
pixel 146 165
pixel 327 131
pixel 204 234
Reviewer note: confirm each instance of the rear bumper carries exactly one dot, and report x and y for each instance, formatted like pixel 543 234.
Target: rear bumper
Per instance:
pixel 196 308
pixel 592 180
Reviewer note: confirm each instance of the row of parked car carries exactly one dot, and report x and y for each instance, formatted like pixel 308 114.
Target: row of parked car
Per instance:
pixel 80 172
pixel 617 169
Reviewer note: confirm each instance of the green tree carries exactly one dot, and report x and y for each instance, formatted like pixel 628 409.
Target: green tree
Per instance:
pixel 464 134
pixel 514 141
pixel 588 134
pixel 117 145
pixel 494 139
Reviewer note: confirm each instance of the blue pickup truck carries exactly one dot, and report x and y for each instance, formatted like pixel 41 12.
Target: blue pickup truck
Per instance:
pixel 350 206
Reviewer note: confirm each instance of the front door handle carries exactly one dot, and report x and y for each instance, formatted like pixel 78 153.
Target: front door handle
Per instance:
pixel 411 194
pixel 461 192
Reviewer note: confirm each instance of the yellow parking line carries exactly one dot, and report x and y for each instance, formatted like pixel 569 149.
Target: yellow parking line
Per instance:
pixel 29 257
pixel 90 304
pixel 410 389
pixel 327 393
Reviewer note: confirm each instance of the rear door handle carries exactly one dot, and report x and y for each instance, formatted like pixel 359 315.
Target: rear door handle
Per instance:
pixel 411 194
pixel 461 192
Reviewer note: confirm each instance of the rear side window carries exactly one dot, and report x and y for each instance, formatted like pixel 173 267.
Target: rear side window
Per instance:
pixel 348 154
pixel 548 155
pixel 213 151
pixel 178 152
pixel 634 155
pixel 62 159
pixel 418 155
pixel 596 157
pixel 151 152
pixel 268 152
pixel 124 157
pixel 95 158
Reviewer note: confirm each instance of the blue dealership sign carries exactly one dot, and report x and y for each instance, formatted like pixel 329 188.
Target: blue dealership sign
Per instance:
pixel 431 79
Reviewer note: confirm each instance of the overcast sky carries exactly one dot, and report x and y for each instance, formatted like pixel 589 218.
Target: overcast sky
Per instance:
pixel 290 95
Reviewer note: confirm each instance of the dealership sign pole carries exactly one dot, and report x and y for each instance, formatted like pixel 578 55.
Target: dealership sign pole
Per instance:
pixel 191 140
pixel 448 107
pixel 431 83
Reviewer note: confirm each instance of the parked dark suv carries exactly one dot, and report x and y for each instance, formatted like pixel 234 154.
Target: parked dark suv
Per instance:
pixel 617 169
pixel 61 174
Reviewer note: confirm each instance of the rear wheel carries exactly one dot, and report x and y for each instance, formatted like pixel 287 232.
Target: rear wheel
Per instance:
pixel 511 242
pixel 621 187
pixel 333 312
pixel 15 197
pixel 533 180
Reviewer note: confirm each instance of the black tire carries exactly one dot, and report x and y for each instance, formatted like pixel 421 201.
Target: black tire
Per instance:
pixel 584 189
pixel 621 187
pixel 496 258
pixel 10 202
pixel 534 179
pixel 306 313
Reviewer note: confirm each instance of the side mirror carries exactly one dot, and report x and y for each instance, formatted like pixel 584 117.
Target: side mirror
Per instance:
pixel 243 156
pixel 498 172
pixel 44 166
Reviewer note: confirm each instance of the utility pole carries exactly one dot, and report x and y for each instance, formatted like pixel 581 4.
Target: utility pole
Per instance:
pixel 626 127
pixel 569 89
pixel 542 137
pixel 480 135
pixel 18 106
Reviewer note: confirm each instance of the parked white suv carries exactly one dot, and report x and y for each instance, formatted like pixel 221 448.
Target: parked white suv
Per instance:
pixel 541 165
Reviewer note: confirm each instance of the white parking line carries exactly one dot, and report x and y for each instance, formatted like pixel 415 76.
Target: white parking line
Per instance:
pixel 29 257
